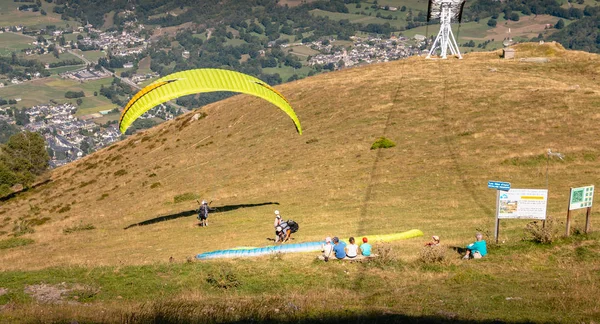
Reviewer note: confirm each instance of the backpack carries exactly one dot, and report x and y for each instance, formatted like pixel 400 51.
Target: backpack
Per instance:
pixel 293 226
pixel 203 212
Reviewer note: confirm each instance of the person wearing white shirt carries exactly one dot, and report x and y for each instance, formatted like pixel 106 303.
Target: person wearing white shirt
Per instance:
pixel 351 249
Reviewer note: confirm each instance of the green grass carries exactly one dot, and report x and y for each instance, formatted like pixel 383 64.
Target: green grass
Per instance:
pixel 50 58
pixel 14 242
pixel 185 197
pixel 10 42
pixel 363 19
pixel 80 227
pixel 62 69
pixel 451 287
pixel 10 16
pixel 54 87
pixel 286 71
pixel 91 55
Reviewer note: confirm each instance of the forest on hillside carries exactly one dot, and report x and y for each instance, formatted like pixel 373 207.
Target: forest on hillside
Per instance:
pixel 582 34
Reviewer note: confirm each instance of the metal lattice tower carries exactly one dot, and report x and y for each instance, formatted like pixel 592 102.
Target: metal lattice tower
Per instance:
pixel 445 40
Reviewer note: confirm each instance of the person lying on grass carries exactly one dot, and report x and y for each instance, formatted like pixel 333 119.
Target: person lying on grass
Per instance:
pixel 476 250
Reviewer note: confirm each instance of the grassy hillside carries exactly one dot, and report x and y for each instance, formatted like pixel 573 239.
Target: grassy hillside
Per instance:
pixel 457 124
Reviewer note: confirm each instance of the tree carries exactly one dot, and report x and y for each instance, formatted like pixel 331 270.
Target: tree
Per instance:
pixel 560 24
pixel 492 22
pixel 79 101
pixel 25 156
pixel 6 131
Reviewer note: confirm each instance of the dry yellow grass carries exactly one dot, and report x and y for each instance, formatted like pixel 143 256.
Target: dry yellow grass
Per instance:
pixel 455 123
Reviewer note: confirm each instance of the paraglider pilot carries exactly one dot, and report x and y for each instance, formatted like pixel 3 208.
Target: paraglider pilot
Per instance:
pixel 203 213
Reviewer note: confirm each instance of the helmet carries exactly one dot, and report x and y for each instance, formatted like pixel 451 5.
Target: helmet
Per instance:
pixel 278 228
pixel 276 212
pixel 203 202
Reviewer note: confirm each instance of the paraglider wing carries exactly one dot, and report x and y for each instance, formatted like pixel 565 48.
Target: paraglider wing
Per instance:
pixel 201 80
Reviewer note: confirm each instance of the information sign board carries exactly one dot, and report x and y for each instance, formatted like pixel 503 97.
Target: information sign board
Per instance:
pixel 523 204
pixel 581 197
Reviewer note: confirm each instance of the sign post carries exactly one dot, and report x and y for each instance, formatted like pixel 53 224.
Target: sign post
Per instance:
pixel 523 204
pixel 498 185
pixel 581 197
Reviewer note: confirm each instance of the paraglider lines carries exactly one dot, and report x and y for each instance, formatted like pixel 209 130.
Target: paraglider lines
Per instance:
pixel 142 93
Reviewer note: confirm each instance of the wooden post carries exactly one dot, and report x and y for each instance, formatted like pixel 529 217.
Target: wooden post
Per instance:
pixel 587 219
pixel 569 213
pixel 497 231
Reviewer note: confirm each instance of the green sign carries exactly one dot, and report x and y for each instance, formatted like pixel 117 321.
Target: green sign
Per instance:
pixel 581 197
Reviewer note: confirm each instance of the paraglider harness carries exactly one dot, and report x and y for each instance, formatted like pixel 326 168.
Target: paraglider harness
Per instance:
pixel 293 227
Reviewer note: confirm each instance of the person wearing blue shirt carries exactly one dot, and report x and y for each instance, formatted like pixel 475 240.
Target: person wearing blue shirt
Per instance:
pixel 365 248
pixel 476 250
pixel 339 248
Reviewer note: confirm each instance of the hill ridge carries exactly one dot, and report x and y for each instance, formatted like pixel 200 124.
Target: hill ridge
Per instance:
pixel 498 119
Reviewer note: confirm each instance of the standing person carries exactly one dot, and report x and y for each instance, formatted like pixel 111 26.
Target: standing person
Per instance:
pixel 327 249
pixel 339 248
pixel 276 223
pixel 203 213
pixel 478 249
pixel 365 248
pixel 351 249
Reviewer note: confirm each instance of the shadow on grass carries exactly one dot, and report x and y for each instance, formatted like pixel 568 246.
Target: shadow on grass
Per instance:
pixel 442 317
pixel 188 213
pixel 459 249
pixel 24 190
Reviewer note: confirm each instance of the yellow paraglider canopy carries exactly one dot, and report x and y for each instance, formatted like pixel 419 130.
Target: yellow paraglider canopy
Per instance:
pixel 201 80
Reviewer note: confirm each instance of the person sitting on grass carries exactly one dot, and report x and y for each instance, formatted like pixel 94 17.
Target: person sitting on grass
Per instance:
pixel 365 248
pixel 327 249
pixel 476 250
pixel 339 248
pixel 435 241
pixel 351 249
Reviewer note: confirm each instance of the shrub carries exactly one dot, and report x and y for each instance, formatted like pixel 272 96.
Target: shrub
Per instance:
pixel 224 279
pixel 537 232
pixel 432 254
pixel 155 185
pixel 104 195
pixel 39 221
pixel 383 142
pixel 83 184
pixel 22 227
pixel 78 228
pixel 386 256
pixel 64 209
pixel 120 172
pixel 14 242
pixel 185 197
